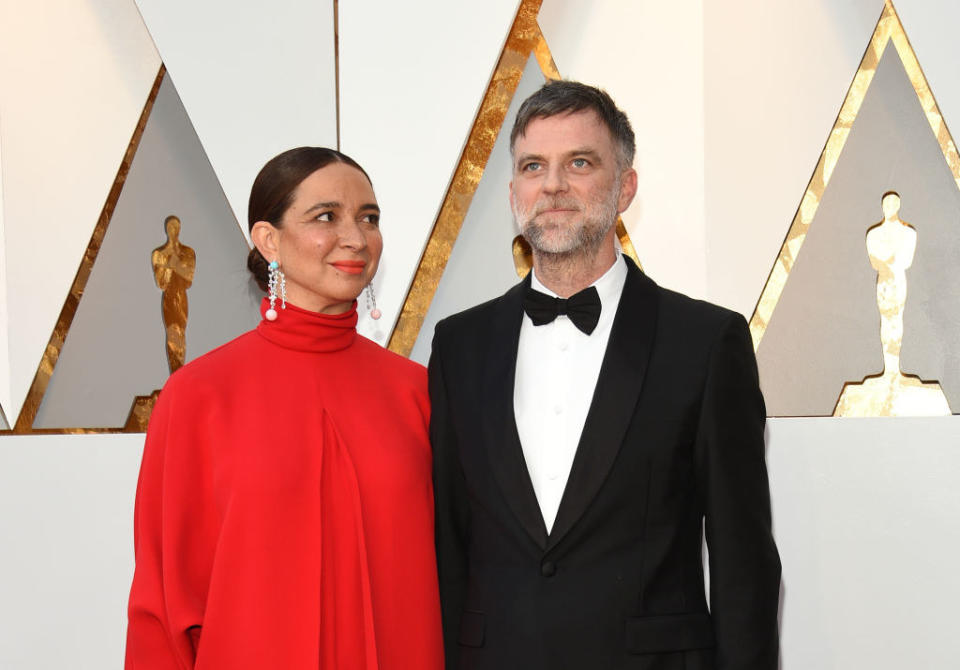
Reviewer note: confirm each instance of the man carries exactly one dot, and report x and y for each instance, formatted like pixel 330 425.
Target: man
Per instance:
pixel 588 425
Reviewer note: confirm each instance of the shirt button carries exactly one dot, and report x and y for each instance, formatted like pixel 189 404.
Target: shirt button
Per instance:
pixel 548 568
pixel 557 409
pixel 563 346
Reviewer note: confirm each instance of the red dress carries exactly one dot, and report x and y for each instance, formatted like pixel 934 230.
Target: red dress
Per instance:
pixel 284 514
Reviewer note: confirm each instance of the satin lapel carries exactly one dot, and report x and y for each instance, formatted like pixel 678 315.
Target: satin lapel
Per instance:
pixel 500 425
pixel 614 399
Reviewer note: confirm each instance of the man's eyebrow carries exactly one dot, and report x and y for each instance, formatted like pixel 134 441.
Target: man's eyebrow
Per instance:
pixel 323 205
pixel 586 151
pixel 522 158
pixel 371 205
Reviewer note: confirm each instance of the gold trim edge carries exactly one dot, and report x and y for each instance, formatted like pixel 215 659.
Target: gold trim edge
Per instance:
pixel 521 39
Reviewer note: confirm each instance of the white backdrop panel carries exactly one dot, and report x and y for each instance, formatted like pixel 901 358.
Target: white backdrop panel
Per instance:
pixel 74 76
pixel 412 76
pixel 649 56
pixel 256 79
pixel 776 75
pixel 4 320
pixel 66 519
pixel 865 515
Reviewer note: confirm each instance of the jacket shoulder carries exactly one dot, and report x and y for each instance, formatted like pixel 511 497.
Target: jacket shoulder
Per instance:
pixel 694 313
pixel 477 318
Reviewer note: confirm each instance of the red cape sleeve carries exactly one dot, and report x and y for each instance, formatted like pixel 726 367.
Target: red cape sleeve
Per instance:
pixel 175 529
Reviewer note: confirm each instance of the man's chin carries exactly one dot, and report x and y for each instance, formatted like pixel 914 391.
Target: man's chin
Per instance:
pixel 554 247
pixel 549 240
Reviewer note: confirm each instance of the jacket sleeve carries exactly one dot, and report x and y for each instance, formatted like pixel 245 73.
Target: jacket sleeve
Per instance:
pixel 744 564
pixel 452 506
pixel 174 537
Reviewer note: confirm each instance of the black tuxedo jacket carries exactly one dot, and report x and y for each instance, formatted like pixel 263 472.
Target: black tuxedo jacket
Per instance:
pixel 672 445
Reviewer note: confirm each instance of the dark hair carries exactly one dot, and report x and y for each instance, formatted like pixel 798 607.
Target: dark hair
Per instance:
pixel 273 189
pixel 566 97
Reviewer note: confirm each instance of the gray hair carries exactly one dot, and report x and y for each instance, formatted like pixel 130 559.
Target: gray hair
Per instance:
pixel 566 97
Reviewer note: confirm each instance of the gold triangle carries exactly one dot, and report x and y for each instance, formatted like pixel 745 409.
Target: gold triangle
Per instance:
pixel 525 38
pixel 889 28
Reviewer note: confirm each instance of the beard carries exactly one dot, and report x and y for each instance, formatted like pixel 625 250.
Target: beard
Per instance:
pixel 581 236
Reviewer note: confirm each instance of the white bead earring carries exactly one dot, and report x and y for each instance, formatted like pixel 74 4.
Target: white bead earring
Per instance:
pixel 276 281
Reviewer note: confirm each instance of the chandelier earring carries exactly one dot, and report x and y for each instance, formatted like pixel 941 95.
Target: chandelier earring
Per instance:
pixel 276 285
pixel 372 303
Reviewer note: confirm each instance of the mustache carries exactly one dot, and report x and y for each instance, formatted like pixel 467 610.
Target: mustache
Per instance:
pixel 555 203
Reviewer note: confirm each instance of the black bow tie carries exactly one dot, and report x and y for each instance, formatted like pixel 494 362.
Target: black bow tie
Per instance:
pixel 582 308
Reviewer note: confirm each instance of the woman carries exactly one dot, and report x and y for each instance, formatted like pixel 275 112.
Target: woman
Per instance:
pixel 284 513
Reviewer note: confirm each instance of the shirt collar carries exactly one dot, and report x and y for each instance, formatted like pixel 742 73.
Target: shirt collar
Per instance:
pixel 609 285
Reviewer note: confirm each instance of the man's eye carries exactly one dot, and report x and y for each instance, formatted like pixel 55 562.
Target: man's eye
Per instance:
pixel 580 162
pixel 531 167
pixel 373 219
pixel 325 216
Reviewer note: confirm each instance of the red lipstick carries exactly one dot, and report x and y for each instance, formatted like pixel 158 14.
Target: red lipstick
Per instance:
pixel 350 267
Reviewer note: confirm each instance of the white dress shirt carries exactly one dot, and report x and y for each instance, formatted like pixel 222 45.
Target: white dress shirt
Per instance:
pixel 557 371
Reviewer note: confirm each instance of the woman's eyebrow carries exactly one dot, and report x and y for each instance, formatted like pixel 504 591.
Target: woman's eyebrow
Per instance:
pixel 323 205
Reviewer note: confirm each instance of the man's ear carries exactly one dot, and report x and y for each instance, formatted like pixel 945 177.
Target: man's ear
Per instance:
pixel 511 194
pixel 266 238
pixel 628 189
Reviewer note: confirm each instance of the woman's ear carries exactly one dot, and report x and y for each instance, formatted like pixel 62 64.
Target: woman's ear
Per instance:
pixel 266 238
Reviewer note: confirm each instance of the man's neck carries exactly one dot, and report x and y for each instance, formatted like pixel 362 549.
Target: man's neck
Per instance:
pixel 570 273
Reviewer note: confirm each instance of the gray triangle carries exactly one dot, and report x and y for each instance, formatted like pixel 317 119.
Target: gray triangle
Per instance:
pixel 115 349
pixel 480 266
pixel 3 420
pixel 825 329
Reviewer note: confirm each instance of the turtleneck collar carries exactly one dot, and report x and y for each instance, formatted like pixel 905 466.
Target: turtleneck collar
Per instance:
pixel 303 330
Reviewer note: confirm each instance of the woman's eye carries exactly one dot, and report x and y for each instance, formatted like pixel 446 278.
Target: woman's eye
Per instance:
pixel 325 216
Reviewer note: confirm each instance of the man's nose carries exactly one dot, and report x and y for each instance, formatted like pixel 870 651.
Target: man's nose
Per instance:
pixel 555 180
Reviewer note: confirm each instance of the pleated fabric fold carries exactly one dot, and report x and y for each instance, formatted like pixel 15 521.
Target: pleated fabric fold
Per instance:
pixel 347 632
